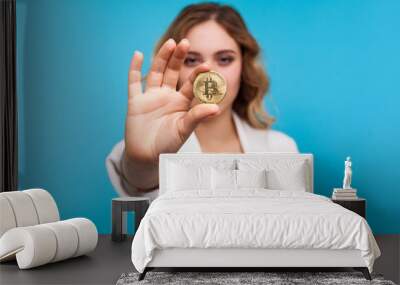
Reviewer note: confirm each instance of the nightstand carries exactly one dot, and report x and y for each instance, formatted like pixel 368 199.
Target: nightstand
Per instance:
pixel 122 205
pixel 358 205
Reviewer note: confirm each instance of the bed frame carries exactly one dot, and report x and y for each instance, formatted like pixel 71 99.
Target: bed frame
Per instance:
pixel 244 259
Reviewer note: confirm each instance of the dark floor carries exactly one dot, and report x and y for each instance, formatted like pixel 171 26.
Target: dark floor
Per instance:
pixel 103 266
pixel 389 262
pixel 111 259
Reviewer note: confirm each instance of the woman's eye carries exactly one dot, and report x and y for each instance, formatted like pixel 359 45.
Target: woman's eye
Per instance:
pixel 190 61
pixel 226 60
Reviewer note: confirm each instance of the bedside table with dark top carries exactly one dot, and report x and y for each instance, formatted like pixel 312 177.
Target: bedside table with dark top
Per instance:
pixel 358 205
pixel 120 206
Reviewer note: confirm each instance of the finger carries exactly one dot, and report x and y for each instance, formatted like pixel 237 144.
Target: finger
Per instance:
pixel 160 61
pixel 135 74
pixel 187 88
pixel 171 74
pixel 195 115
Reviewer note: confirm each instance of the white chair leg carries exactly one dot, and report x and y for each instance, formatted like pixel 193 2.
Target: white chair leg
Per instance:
pixel 88 235
pixel 67 239
pixel 40 244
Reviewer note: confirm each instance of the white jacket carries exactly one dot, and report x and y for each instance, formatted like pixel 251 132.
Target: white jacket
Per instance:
pixel 251 139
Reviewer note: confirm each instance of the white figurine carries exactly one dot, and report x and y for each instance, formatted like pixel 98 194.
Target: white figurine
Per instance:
pixel 347 174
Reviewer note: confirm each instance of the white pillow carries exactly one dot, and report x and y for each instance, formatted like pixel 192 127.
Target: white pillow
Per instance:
pixel 223 179
pixel 282 174
pixel 230 179
pixel 182 177
pixel 251 178
pixel 287 179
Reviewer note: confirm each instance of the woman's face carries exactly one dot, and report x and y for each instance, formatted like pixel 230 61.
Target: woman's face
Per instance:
pixel 210 43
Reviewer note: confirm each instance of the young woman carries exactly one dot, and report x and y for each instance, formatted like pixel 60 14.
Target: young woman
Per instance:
pixel 165 117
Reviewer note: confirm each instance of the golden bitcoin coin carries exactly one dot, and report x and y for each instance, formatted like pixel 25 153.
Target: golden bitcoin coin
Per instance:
pixel 209 87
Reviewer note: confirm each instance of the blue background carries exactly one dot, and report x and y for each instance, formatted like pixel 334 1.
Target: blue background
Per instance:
pixel 334 68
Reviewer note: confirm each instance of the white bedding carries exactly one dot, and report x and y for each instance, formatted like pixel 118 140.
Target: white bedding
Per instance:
pixel 250 218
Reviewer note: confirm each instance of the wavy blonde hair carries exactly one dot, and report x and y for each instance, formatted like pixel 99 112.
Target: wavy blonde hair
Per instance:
pixel 254 83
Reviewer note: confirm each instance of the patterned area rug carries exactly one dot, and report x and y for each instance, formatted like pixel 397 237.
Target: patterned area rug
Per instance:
pixel 229 278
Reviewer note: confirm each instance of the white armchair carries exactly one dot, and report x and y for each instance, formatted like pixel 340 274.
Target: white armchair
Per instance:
pixel 31 231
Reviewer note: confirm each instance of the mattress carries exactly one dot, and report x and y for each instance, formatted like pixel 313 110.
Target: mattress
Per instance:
pixel 251 219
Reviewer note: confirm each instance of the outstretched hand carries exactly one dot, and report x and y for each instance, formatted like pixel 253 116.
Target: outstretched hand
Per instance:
pixel 160 118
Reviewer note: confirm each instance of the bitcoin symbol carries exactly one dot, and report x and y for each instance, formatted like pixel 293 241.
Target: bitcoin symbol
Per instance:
pixel 210 89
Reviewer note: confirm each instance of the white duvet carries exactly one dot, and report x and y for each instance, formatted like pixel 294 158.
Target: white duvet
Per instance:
pixel 251 218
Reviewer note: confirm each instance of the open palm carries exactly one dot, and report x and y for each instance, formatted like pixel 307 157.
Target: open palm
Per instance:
pixel 160 119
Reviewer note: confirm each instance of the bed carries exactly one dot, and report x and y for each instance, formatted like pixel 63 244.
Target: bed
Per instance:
pixel 247 210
